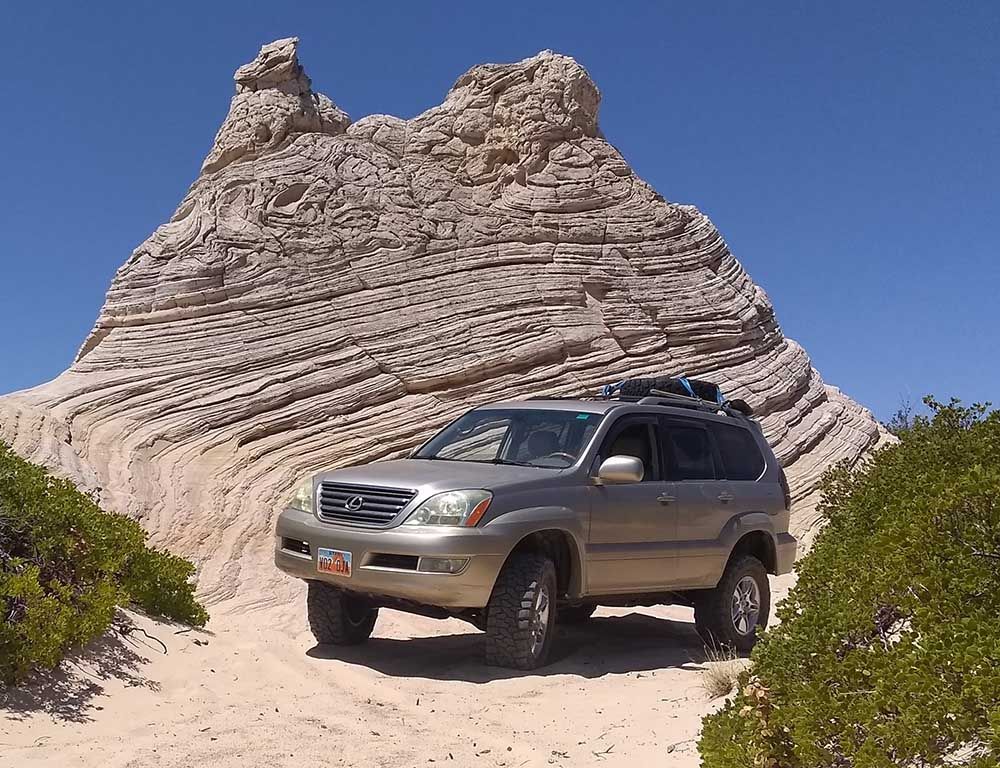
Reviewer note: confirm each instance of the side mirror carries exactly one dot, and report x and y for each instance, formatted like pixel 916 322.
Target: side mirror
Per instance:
pixel 616 470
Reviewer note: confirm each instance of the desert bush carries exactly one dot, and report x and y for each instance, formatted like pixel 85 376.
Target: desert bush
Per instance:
pixel 902 419
pixel 722 669
pixel 888 650
pixel 65 565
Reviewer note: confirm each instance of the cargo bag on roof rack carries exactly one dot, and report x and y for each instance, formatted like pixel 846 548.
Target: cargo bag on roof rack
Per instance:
pixel 638 388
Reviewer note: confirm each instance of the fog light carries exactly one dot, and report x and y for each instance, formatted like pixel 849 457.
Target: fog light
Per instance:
pixel 442 564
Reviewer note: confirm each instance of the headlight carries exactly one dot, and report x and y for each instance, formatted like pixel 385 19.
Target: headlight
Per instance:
pixel 452 508
pixel 303 498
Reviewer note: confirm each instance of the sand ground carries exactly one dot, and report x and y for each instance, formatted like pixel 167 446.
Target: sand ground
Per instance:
pixel 254 689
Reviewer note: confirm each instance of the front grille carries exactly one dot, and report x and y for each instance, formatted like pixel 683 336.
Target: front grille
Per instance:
pixel 338 503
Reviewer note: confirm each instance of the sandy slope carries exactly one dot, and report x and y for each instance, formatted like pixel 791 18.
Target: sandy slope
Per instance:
pixel 255 690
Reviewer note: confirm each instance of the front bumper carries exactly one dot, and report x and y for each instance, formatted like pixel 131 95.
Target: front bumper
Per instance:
pixel 785 547
pixel 486 551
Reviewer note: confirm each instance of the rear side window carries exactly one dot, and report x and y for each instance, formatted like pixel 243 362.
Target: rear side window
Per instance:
pixel 741 457
pixel 689 453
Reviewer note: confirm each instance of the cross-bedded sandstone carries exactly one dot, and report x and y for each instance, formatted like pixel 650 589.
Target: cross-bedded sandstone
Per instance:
pixel 330 293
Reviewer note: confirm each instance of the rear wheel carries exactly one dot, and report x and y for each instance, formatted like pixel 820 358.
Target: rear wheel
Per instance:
pixel 520 620
pixel 337 617
pixel 575 614
pixel 730 614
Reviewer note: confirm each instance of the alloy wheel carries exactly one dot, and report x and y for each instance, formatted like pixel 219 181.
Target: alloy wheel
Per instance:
pixel 539 621
pixel 746 605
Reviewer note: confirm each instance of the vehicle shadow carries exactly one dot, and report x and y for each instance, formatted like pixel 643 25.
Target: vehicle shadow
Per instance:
pixel 68 691
pixel 602 646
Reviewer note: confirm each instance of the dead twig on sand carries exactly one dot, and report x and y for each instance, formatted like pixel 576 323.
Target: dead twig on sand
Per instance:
pixel 672 747
pixel 127 630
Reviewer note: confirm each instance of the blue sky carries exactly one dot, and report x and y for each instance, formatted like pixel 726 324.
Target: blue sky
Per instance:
pixel 848 152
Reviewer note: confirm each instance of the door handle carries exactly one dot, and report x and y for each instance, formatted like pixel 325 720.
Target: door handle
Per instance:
pixel 666 498
pixel 725 497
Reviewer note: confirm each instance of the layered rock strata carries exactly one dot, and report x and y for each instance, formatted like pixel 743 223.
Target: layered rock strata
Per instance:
pixel 331 292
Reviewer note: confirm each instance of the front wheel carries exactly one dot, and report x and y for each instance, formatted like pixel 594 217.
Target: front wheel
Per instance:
pixel 520 619
pixel 337 617
pixel 730 614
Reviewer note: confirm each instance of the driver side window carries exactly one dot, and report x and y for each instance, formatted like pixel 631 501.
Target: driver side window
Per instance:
pixel 634 438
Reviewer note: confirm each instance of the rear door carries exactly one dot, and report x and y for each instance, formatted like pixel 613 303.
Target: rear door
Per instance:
pixel 703 500
pixel 633 526
pixel 744 465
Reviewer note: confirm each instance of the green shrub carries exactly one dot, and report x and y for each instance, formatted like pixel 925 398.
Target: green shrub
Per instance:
pixel 65 565
pixel 888 651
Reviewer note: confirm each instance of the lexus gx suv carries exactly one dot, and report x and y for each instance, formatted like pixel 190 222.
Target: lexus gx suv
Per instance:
pixel 520 515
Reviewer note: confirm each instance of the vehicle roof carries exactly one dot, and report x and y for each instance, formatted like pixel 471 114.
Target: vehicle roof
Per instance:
pixel 604 406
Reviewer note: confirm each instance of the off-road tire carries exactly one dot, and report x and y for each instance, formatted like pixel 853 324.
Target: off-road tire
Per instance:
pixel 713 607
pixel 575 614
pixel 338 618
pixel 641 387
pixel 513 609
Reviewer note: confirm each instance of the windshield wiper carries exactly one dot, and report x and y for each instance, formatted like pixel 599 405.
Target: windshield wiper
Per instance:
pixel 509 463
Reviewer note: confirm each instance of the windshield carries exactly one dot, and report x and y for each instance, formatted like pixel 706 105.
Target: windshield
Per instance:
pixel 522 436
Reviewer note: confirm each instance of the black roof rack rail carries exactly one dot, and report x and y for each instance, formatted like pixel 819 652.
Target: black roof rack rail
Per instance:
pixel 658 397
pixel 738 409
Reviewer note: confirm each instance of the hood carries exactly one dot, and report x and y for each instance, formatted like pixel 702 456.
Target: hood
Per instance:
pixel 430 476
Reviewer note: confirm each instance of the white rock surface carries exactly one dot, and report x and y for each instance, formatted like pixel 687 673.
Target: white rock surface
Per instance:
pixel 330 293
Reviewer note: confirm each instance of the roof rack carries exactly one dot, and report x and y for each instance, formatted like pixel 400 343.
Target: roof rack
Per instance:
pixel 737 409
pixel 663 390
pixel 659 397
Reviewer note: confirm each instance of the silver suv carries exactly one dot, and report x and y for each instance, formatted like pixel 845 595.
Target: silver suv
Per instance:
pixel 522 514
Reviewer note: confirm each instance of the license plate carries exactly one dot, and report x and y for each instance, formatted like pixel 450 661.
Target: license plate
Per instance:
pixel 334 561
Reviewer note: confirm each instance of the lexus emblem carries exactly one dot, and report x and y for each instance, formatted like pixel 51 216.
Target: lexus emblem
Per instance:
pixel 355 503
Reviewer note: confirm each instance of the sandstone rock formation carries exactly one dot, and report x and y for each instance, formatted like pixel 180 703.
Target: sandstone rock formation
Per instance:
pixel 331 292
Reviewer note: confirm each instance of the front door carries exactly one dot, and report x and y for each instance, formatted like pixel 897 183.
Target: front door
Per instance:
pixel 633 526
